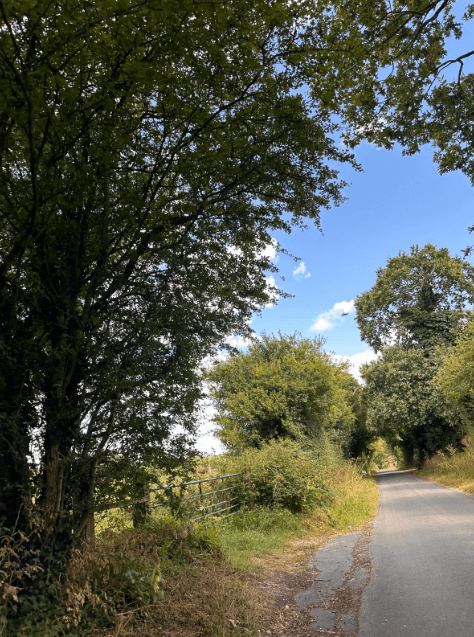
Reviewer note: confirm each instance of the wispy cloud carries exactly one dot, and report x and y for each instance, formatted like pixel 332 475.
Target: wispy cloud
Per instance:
pixel 300 272
pixel 334 316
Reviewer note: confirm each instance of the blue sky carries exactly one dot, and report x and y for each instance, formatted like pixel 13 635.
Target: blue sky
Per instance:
pixel 395 203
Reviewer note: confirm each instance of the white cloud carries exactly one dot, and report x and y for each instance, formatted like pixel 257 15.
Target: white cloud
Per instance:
pixel 272 290
pixel 332 317
pixel 271 251
pixel 357 360
pixel 238 341
pixel 300 272
pixel 321 325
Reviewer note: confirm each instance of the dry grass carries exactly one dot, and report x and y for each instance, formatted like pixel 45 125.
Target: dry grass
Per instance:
pixel 216 599
pixel 452 469
pixel 431 465
pixel 466 485
pixel 211 600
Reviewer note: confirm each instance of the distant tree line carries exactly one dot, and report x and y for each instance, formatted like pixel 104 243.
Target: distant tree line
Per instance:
pixel 419 316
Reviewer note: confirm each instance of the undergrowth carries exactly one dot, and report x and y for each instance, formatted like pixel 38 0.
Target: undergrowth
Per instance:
pixel 118 572
pixel 264 531
pixel 452 468
pixel 211 599
pixel 173 577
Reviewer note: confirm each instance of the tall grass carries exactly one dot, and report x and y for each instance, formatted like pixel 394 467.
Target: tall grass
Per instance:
pixel 453 468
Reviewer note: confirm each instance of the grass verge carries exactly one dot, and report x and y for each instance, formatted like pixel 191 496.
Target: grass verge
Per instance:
pixel 452 469
pixel 253 535
pixel 452 480
pixel 172 579
pixel 216 597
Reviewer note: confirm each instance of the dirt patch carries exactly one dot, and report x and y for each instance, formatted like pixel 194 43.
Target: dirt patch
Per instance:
pixel 297 553
pixel 281 586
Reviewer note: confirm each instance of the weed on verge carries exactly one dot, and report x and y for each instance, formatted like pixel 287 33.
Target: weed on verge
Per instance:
pixel 210 600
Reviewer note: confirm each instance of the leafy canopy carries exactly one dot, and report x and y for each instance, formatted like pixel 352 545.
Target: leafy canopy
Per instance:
pixel 417 301
pixel 409 87
pixel 406 406
pixel 147 151
pixel 283 387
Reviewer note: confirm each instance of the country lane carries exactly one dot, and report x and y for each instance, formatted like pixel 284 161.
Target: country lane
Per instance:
pixel 422 551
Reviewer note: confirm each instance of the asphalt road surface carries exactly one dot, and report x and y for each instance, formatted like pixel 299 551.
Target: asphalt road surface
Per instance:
pixel 413 577
pixel 422 551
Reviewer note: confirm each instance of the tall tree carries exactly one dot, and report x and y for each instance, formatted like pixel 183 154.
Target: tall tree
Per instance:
pixel 456 377
pixel 147 150
pixel 406 406
pixel 417 301
pixel 413 312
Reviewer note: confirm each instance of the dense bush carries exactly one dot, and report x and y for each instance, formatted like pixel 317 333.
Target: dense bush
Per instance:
pixel 280 475
pixel 284 386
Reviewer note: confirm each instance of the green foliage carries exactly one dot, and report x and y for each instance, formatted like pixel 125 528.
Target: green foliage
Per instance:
pixel 417 301
pixel 361 434
pixel 405 404
pixel 380 453
pixel 283 387
pixel 282 475
pixel 405 86
pixel 42 619
pixel 456 376
pixel 133 187
pixel 452 468
pixel 39 612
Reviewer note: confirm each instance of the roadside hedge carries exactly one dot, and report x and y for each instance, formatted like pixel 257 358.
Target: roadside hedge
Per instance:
pixel 280 475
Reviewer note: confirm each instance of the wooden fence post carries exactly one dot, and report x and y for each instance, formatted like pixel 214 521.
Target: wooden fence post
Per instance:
pixel 141 508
